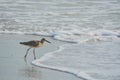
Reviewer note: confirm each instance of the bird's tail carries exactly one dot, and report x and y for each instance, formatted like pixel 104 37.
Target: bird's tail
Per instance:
pixel 24 43
pixel 21 42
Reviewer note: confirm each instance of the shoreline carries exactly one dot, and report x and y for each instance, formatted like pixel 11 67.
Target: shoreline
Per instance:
pixel 38 63
pixel 12 61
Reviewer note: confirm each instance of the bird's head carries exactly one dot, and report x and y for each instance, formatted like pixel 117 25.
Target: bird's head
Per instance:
pixel 43 39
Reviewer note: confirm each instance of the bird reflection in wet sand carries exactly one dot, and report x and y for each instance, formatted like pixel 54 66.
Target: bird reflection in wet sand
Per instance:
pixel 32 72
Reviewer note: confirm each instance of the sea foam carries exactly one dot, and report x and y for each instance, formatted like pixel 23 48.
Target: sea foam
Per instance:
pixel 93 61
pixel 75 72
pixel 73 36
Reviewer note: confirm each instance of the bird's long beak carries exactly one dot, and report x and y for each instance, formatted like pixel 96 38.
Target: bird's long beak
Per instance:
pixel 47 41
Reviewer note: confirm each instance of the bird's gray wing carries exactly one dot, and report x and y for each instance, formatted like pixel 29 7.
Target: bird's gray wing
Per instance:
pixel 31 43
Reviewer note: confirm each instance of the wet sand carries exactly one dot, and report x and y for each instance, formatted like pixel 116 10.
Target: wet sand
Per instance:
pixel 13 66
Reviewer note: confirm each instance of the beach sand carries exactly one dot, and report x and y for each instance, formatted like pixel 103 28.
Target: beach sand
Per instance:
pixel 13 66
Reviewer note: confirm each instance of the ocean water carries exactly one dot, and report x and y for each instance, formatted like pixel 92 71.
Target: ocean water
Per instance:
pixel 91 26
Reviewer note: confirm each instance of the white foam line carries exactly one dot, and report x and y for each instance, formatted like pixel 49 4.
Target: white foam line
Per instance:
pixel 25 33
pixel 74 72
pixel 48 55
pixel 65 70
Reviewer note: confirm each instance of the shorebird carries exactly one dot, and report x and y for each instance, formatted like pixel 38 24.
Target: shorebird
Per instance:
pixel 34 44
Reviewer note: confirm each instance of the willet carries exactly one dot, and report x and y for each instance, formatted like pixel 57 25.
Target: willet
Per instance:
pixel 34 44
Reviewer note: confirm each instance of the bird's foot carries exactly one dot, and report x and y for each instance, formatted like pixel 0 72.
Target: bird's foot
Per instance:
pixel 34 58
pixel 25 59
pixel 25 56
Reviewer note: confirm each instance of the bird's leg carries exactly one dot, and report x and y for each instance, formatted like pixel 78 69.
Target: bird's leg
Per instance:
pixel 26 53
pixel 34 53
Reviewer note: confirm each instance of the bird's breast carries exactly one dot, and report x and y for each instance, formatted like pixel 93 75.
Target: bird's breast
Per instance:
pixel 40 45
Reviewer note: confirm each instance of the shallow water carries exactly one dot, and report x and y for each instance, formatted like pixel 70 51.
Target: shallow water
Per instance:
pixel 91 61
pixel 92 24
pixel 63 19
